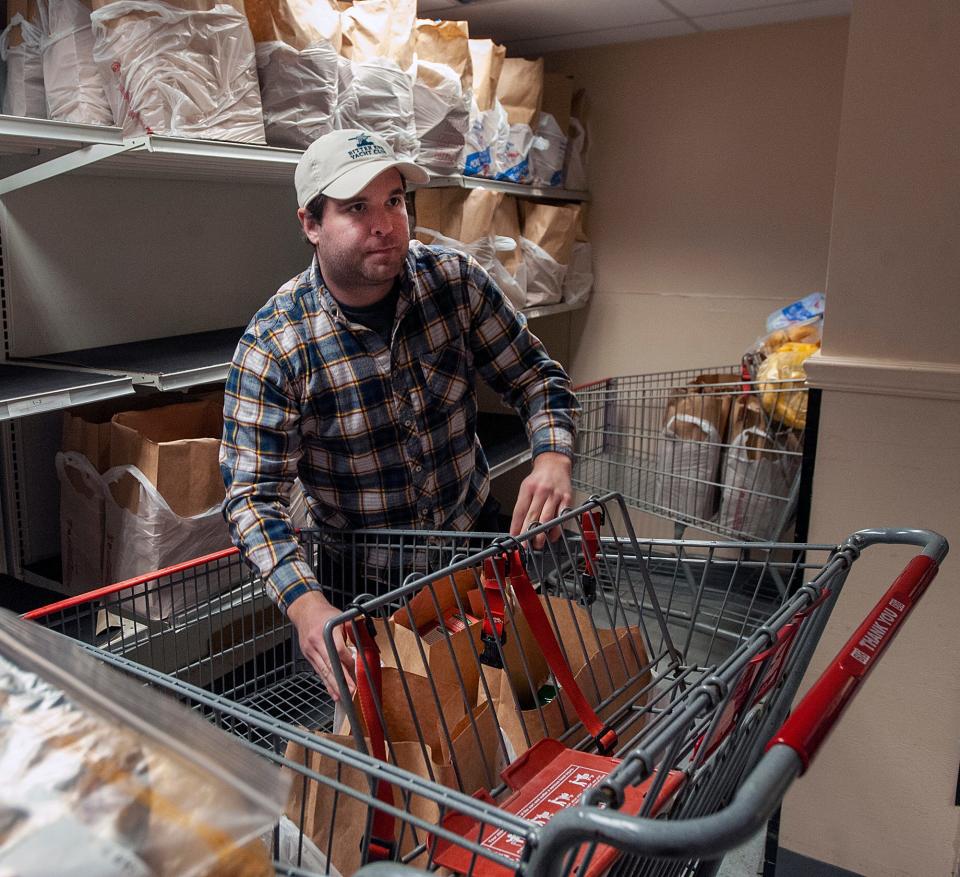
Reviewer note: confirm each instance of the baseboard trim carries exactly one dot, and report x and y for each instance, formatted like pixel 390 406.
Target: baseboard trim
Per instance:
pixel 791 864
pixel 885 377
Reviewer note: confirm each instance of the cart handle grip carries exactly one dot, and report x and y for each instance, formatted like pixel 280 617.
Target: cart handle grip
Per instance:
pixel 814 717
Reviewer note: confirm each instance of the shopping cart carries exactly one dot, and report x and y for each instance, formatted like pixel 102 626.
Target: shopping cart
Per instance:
pixel 689 688
pixel 701 447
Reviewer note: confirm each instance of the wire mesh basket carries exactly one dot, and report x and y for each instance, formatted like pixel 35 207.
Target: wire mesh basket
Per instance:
pixel 700 447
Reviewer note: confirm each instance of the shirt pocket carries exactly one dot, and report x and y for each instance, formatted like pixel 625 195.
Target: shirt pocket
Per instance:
pixel 446 375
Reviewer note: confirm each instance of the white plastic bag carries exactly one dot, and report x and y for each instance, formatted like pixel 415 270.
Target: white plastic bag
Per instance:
pixel 688 456
pixel 481 141
pixel 299 92
pixel 23 93
pixel 72 82
pixel 82 505
pixel 578 282
pixel 177 72
pixel 378 96
pixel 485 250
pixel 513 153
pixel 154 537
pixel 546 162
pixel 297 849
pixel 544 275
pixel 442 117
pixel 758 474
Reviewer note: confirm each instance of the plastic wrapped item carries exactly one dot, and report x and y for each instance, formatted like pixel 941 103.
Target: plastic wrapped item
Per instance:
pixel 578 282
pixel 299 92
pixel 786 364
pixel 378 96
pixel 23 93
pixel 485 251
pixel 442 116
pixel 298 23
pixel 487 127
pixel 72 82
pixel 103 776
pixel 544 275
pixel 179 72
pixel 82 508
pixel 151 536
pixel 759 466
pixel 802 311
pixel 513 150
pixel 546 162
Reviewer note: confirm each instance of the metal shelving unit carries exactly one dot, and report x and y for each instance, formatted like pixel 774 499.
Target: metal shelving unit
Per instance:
pixel 164 363
pixel 26 390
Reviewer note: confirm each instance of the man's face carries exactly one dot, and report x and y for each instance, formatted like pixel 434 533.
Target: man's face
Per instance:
pixel 362 242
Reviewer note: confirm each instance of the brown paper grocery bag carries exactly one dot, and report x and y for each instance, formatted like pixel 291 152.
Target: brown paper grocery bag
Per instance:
pixel 445 42
pixel 506 222
pixel 26 8
pixel 298 23
pixel 380 29
pixel 558 91
pixel 520 90
pixel 487 59
pixel 464 215
pixel 177 448
pixel 554 228
pixel 186 5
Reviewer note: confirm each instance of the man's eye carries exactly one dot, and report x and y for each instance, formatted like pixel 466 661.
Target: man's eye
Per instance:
pixel 395 201
pixel 356 208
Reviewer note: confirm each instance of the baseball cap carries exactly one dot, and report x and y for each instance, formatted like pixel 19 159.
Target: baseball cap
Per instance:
pixel 341 164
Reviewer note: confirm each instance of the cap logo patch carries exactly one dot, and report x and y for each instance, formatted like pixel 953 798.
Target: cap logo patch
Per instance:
pixel 365 147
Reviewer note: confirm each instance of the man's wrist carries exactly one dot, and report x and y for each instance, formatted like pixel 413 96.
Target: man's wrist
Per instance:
pixel 554 458
pixel 306 602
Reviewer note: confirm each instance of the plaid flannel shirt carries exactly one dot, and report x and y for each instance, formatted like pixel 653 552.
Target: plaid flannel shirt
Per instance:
pixel 380 438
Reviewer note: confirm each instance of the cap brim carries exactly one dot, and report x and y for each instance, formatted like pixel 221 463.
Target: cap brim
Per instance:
pixel 356 179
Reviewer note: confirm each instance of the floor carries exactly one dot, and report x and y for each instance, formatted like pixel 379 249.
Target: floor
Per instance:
pixel 746 861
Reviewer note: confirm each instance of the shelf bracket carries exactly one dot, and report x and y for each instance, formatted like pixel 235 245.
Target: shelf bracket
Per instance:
pixel 64 164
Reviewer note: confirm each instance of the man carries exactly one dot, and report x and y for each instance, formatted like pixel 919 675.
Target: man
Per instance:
pixel 358 376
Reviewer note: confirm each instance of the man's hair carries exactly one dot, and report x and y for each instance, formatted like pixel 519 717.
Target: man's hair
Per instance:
pixel 315 207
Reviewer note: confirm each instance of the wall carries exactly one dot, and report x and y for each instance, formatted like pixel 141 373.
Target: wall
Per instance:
pixel 711 173
pixel 881 798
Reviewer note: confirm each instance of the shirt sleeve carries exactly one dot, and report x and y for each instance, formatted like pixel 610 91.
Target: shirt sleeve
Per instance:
pixel 258 459
pixel 514 362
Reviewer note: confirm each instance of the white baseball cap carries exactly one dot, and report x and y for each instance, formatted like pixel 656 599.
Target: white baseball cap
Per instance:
pixel 341 164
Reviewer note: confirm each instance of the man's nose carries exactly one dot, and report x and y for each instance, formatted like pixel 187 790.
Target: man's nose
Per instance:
pixel 380 222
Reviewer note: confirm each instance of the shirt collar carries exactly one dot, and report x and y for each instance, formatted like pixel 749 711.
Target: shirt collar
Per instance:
pixel 408 289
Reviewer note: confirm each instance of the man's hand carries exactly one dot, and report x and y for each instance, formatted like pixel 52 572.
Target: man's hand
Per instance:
pixel 543 494
pixel 309 613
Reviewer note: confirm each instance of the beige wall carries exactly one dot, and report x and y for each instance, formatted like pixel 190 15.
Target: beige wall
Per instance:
pixel 711 173
pixel 880 799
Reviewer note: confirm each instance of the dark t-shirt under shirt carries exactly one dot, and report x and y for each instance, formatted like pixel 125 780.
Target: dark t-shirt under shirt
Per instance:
pixel 379 316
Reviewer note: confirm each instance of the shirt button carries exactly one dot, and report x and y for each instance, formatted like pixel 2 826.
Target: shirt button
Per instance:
pixel 418 468
pixel 408 423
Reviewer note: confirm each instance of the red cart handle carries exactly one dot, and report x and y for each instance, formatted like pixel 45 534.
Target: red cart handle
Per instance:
pixel 814 717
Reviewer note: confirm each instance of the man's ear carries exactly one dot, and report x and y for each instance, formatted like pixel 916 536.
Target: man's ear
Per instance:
pixel 310 226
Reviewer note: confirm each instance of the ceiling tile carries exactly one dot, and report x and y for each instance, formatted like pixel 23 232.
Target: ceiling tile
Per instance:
pixel 693 8
pixel 657 30
pixel 772 14
pixel 505 20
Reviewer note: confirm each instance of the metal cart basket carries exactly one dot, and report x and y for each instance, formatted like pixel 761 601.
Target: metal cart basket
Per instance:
pixel 700 447
pixel 690 684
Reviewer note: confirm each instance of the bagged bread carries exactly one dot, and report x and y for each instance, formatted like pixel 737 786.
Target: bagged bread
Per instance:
pixel 185 69
pixel 74 89
pixel 20 49
pixel 98 779
pixel 488 121
pixel 377 96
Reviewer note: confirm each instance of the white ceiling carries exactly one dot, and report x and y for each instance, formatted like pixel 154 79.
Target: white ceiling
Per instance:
pixel 536 26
